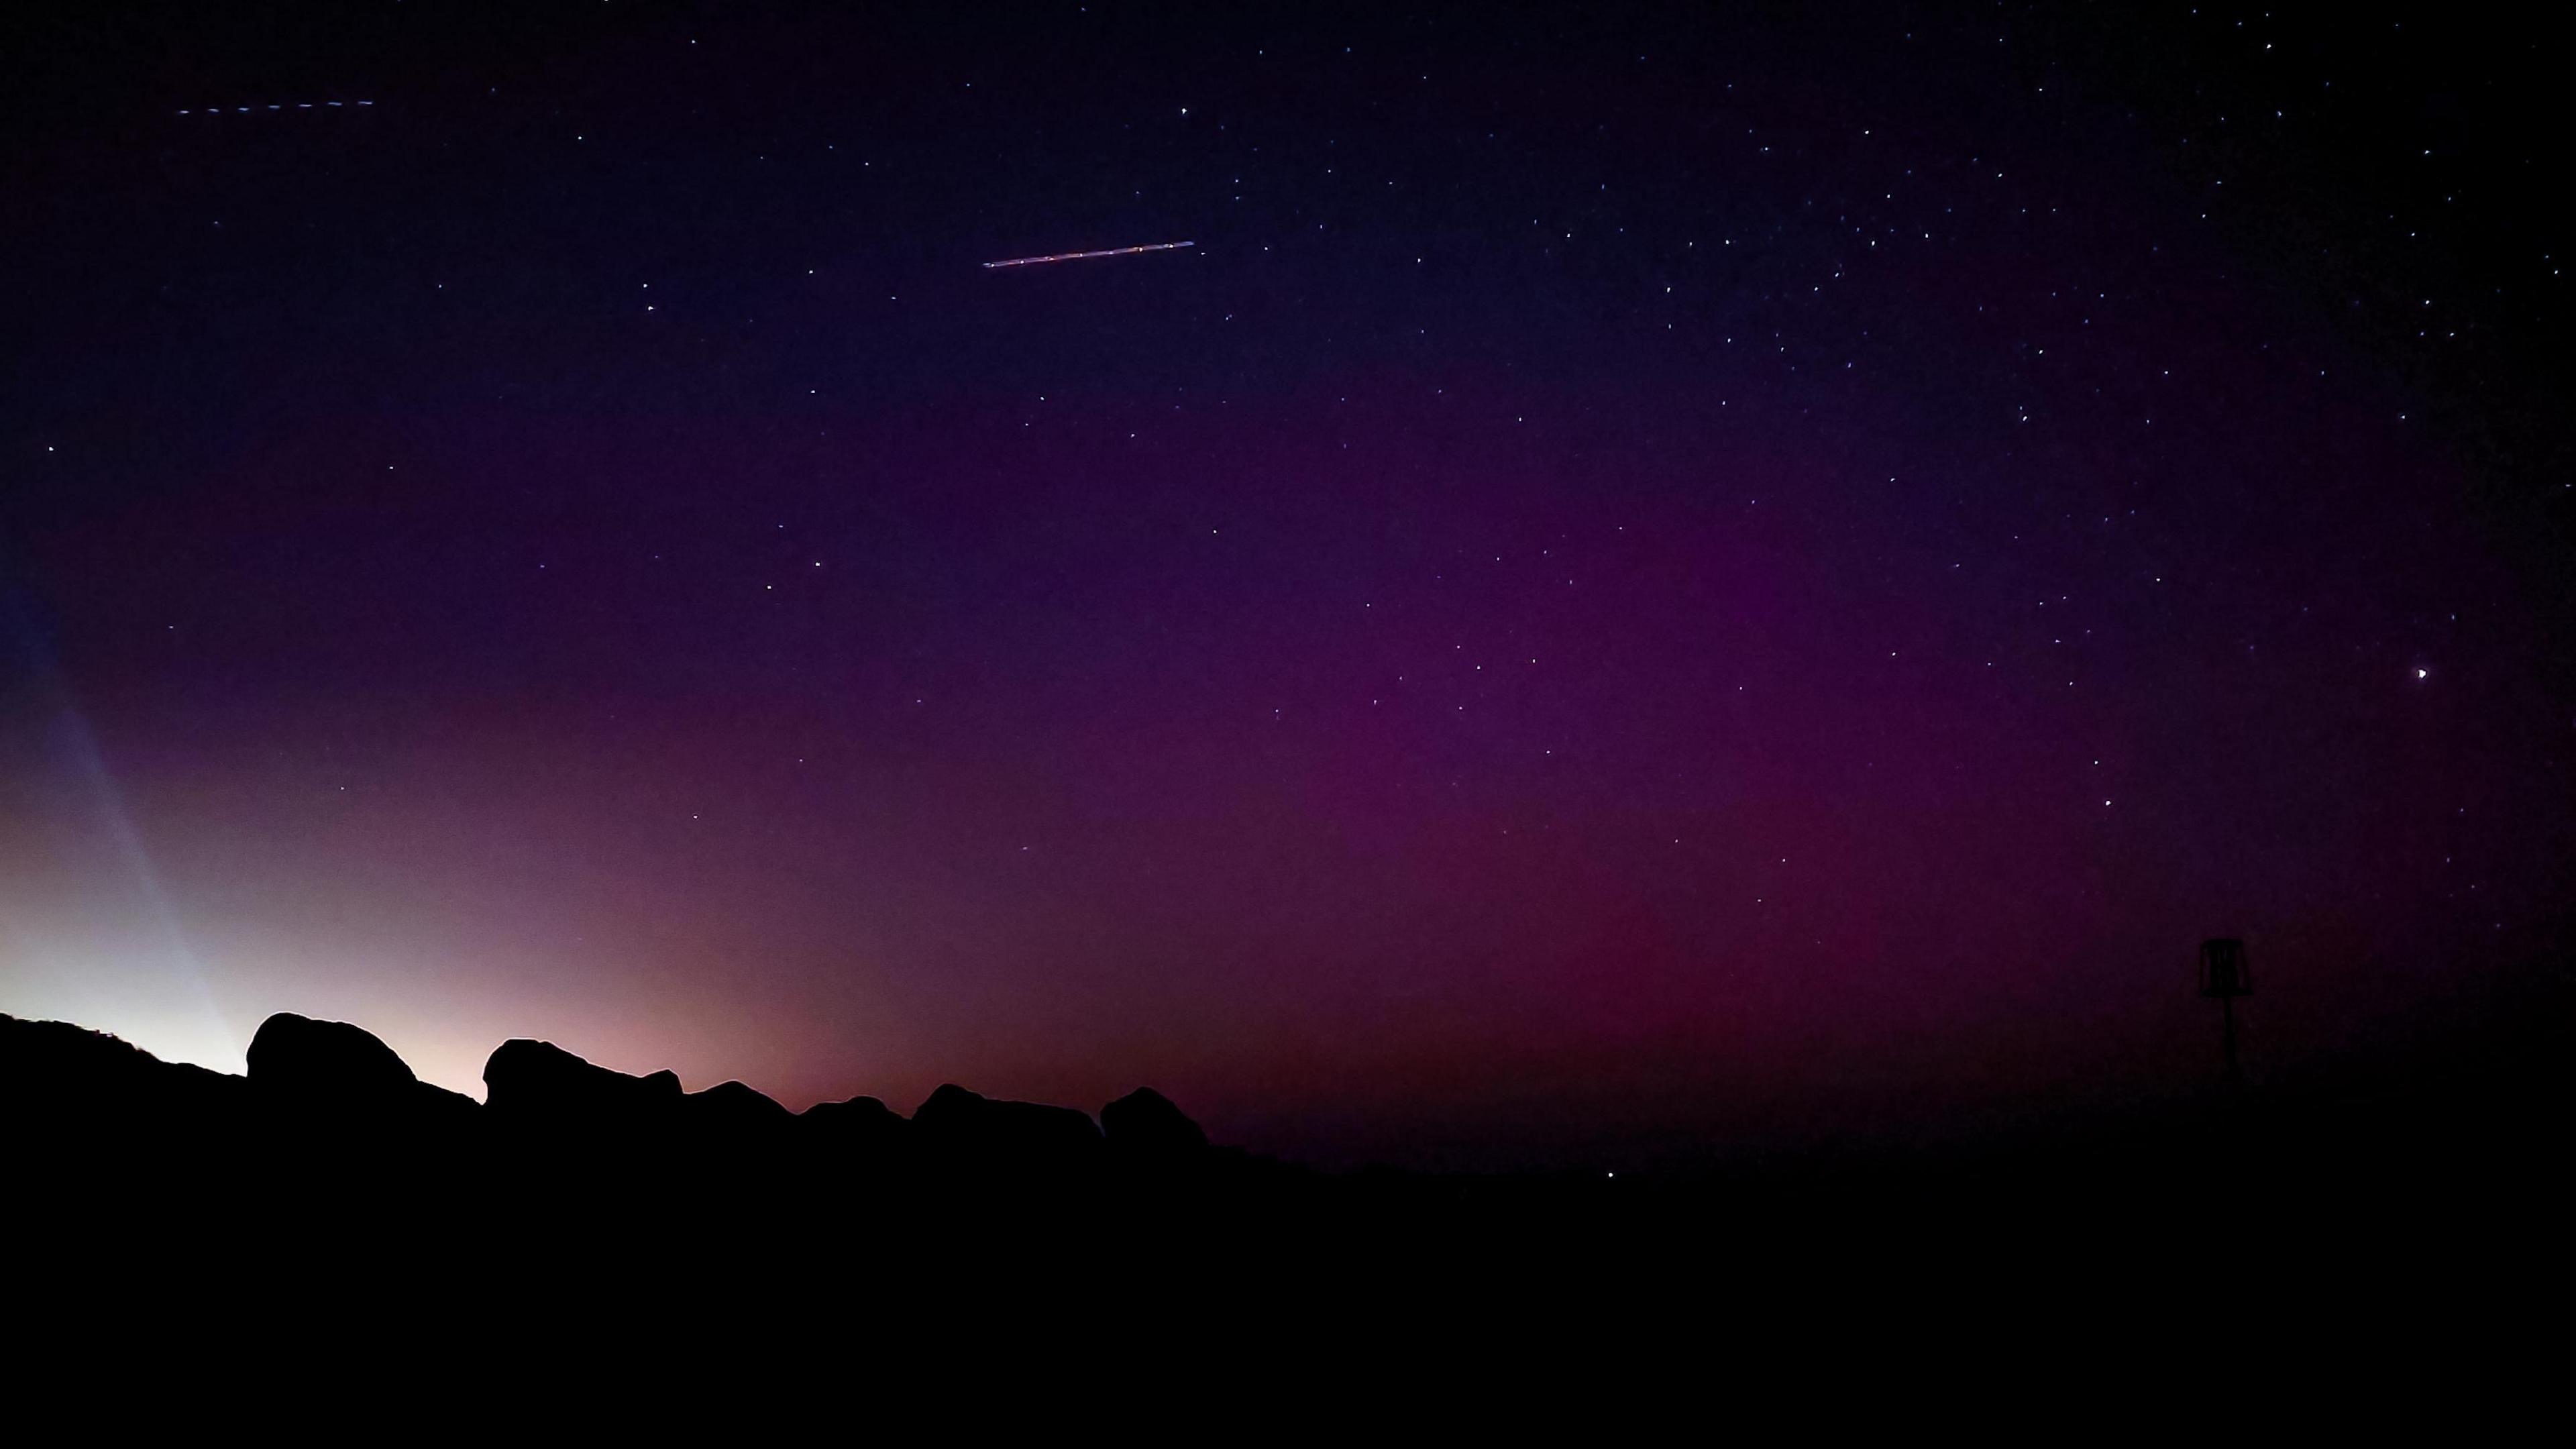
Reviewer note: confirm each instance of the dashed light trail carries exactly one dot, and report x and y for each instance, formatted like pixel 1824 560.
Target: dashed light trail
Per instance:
pixel 280 106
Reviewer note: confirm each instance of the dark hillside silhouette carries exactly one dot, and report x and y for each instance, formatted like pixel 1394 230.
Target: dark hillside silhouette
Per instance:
pixel 89 1102
pixel 961 1131
pixel 1145 1126
pixel 324 1095
pixel 331 1163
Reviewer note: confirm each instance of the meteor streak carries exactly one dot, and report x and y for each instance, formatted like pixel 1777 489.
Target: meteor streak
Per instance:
pixel 1078 256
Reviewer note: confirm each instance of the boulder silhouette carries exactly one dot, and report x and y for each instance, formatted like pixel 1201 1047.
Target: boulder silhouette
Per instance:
pixel 861 1123
pixel 343 1082
pixel 327 1060
pixel 734 1107
pixel 329 1113
pixel 964 1129
pixel 1145 1124
pixel 537 1082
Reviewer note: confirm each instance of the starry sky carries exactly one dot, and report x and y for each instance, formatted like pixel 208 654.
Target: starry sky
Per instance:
pixel 1656 578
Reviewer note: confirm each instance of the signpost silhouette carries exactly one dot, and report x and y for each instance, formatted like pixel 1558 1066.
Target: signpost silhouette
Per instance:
pixel 2224 974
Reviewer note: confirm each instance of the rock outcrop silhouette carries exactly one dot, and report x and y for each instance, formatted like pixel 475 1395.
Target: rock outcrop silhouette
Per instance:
pixel 965 1130
pixel 731 1109
pixel 326 1099
pixel 331 1075
pixel 68 1089
pixel 536 1084
pixel 860 1125
pixel 296 1054
pixel 1145 1124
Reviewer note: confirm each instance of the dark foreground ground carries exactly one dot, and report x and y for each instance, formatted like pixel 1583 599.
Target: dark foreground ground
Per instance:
pixel 2363 1255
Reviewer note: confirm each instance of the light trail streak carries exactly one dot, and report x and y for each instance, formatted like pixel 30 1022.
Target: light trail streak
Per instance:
pixel 283 106
pixel 1078 256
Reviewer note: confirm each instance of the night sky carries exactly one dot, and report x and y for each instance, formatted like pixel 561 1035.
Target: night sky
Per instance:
pixel 1693 575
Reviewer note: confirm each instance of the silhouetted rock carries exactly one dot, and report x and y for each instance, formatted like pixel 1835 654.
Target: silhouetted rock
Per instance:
pixel 734 1107
pixel 331 1120
pixel 861 1122
pixel 539 1083
pixel 302 1057
pixel 861 1135
pixel 1145 1125
pixel 338 1089
pixel 964 1129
